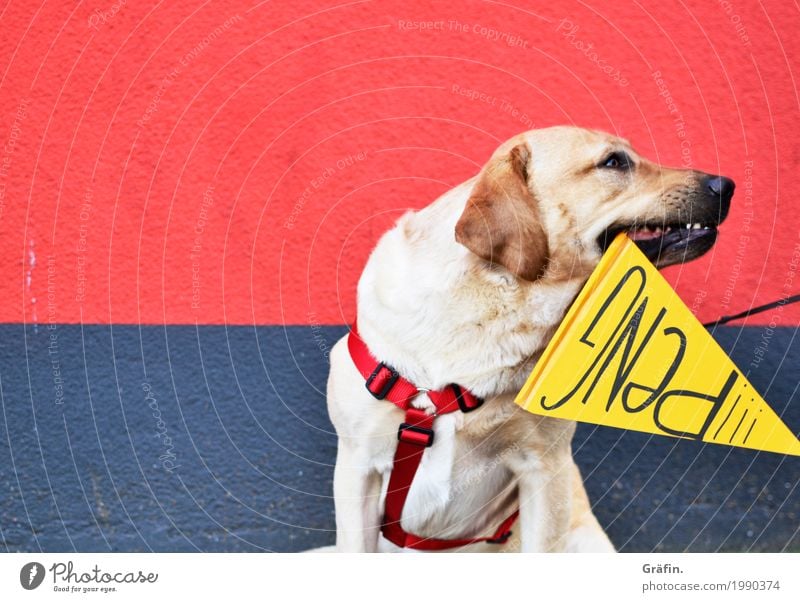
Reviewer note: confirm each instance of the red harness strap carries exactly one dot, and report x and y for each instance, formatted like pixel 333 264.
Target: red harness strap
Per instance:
pixel 414 435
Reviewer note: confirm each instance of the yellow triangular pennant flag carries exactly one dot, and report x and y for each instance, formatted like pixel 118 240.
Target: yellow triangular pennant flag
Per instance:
pixel 630 354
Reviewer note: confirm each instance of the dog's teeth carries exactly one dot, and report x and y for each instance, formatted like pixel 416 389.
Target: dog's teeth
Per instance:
pixel 696 226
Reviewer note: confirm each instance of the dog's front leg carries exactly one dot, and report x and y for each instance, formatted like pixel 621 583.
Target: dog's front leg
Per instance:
pixel 356 491
pixel 545 494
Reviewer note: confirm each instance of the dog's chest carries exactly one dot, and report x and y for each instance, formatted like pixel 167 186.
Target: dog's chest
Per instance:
pixel 463 483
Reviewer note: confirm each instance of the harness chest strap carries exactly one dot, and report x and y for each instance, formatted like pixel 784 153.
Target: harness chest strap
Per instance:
pixel 414 435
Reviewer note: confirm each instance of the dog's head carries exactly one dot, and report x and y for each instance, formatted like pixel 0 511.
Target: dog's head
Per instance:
pixel 550 201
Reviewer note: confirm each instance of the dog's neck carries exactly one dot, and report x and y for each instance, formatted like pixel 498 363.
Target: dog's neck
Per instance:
pixel 438 314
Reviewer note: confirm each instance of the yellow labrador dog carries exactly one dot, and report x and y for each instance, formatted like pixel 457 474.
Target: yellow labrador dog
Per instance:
pixel 469 290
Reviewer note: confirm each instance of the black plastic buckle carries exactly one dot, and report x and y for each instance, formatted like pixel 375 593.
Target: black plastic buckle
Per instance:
pixel 417 429
pixel 387 386
pixel 462 404
pixel 502 539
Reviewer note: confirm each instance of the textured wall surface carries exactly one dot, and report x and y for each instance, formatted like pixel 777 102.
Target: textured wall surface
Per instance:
pixel 251 456
pixel 217 172
pixel 235 162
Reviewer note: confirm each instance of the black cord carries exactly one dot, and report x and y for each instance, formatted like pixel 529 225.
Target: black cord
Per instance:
pixel 753 310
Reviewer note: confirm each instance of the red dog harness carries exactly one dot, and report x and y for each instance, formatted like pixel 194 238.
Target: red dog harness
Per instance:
pixel 414 435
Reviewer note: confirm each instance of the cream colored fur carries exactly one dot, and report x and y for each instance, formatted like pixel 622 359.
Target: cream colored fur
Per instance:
pixel 439 314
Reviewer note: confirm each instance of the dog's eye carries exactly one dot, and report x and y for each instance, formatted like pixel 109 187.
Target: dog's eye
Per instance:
pixel 617 160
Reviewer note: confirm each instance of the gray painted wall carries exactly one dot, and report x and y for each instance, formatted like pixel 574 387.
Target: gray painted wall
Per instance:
pixel 249 459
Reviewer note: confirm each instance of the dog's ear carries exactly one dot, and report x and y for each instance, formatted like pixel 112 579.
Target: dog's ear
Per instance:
pixel 501 221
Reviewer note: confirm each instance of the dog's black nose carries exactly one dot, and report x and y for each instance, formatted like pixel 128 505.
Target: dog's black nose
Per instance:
pixel 721 187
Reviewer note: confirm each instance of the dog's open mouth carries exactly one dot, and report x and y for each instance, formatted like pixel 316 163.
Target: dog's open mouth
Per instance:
pixel 665 243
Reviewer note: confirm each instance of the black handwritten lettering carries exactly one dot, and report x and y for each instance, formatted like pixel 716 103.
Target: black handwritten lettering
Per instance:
pixel 585 338
pixel 715 400
pixel 626 346
pixel 673 367
pixel 610 299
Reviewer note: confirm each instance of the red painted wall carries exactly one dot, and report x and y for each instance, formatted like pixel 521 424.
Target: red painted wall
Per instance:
pixel 235 163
